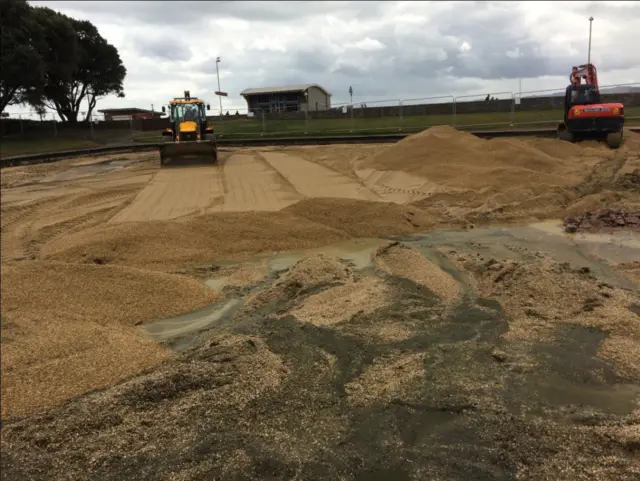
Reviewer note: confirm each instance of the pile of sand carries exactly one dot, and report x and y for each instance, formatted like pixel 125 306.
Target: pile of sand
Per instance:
pixel 169 245
pixel 67 329
pixel 360 218
pixel 505 178
pixel 631 141
pixel 340 303
pixel 450 157
pixel 406 262
pixel 311 271
pixel 166 245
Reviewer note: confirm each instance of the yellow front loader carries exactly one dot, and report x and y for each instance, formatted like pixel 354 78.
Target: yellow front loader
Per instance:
pixel 191 140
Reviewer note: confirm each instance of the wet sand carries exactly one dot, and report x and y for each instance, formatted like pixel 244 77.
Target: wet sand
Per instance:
pixel 324 337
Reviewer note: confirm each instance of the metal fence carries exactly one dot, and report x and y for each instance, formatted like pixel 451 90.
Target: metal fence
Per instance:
pixel 498 110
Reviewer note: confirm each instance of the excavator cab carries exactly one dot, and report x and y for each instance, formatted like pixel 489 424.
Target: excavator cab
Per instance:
pixel 585 116
pixel 190 139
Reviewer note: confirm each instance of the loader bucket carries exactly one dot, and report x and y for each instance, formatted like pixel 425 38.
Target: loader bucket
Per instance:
pixel 188 153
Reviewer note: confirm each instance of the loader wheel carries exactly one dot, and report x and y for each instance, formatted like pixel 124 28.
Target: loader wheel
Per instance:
pixel 614 139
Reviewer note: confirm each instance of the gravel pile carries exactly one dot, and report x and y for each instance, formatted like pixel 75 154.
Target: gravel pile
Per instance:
pixel 67 329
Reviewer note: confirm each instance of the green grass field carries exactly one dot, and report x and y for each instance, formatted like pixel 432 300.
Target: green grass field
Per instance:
pixel 482 121
pixel 251 128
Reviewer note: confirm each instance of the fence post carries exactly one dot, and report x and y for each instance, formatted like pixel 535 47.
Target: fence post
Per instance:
pixel 264 123
pixel 21 125
pixel 351 115
pixel 454 119
pixel 401 117
pixel 513 109
pixel 306 120
pixel 93 136
pixel 55 125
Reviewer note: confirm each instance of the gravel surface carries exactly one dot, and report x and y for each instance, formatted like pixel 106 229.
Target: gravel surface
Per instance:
pixel 428 363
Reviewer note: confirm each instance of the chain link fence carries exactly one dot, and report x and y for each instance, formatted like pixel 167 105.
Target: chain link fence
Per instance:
pixel 490 111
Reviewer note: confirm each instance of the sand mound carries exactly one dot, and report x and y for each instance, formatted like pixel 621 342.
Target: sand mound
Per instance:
pixel 101 294
pixel 405 262
pixel 67 329
pixel 458 159
pixel 315 270
pixel 166 245
pixel 360 218
pixel 169 245
pixel 341 303
pixel 631 141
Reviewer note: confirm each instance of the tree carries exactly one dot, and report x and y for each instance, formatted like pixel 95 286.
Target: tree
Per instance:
pixel 58 47
pixel 103 76
pixel 23 68
pixel 98 71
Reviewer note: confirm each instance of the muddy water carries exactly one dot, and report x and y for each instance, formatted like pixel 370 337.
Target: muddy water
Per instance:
pixel 181 331
pixel 593 251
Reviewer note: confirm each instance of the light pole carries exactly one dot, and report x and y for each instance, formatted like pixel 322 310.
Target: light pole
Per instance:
pixel 218 74
pixel 589 54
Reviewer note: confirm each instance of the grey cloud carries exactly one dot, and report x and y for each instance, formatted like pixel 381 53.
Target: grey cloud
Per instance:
pixel 608 10
pixel 194 12
pixel 411 65
pixel 171 49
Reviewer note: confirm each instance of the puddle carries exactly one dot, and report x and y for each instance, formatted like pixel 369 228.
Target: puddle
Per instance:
pixel 182 330
pixel 216 283
pixel 498 242
pixel 359 252
pixel 595 251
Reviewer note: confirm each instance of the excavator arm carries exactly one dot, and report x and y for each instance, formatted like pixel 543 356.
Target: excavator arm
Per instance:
pixel 587 72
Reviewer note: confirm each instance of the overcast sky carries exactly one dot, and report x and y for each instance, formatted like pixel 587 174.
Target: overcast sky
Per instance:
pixel 384 50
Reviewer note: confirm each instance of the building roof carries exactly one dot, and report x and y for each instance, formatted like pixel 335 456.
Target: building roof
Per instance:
pixel 128 111
pixel 287 88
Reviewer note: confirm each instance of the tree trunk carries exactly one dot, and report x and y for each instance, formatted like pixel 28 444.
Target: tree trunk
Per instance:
pixel 6 98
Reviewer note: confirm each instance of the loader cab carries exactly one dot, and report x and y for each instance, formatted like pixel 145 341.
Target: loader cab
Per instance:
pixel 194 112
pixel 188 119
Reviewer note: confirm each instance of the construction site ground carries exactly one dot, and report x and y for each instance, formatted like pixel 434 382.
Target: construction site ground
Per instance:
pixel 349 312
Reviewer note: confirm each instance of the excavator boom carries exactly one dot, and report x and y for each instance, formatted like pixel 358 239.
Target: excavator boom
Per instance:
pixel 587 72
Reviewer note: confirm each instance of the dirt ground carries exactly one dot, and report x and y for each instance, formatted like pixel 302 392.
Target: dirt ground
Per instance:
pixel 308 313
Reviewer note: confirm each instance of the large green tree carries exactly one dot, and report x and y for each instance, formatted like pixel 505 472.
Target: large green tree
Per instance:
pixel 54 61
pixel 97 71
pixel 22 72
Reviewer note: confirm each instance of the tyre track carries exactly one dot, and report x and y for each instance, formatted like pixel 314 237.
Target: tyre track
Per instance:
pixel 313 180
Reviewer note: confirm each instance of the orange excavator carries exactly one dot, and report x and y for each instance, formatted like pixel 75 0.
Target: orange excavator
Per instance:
pixel 585 117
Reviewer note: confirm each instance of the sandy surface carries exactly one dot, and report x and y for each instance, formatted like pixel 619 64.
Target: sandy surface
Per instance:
pixel 241 183
pixel 175 193
pixel 314 180
pixel 511 351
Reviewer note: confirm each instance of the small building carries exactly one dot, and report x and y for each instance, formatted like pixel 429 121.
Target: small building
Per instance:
pixel 292 98
pixel 129 114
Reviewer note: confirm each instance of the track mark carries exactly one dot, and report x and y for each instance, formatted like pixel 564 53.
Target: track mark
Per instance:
pixel 314 180
pixel 252 184
pixel 175 192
